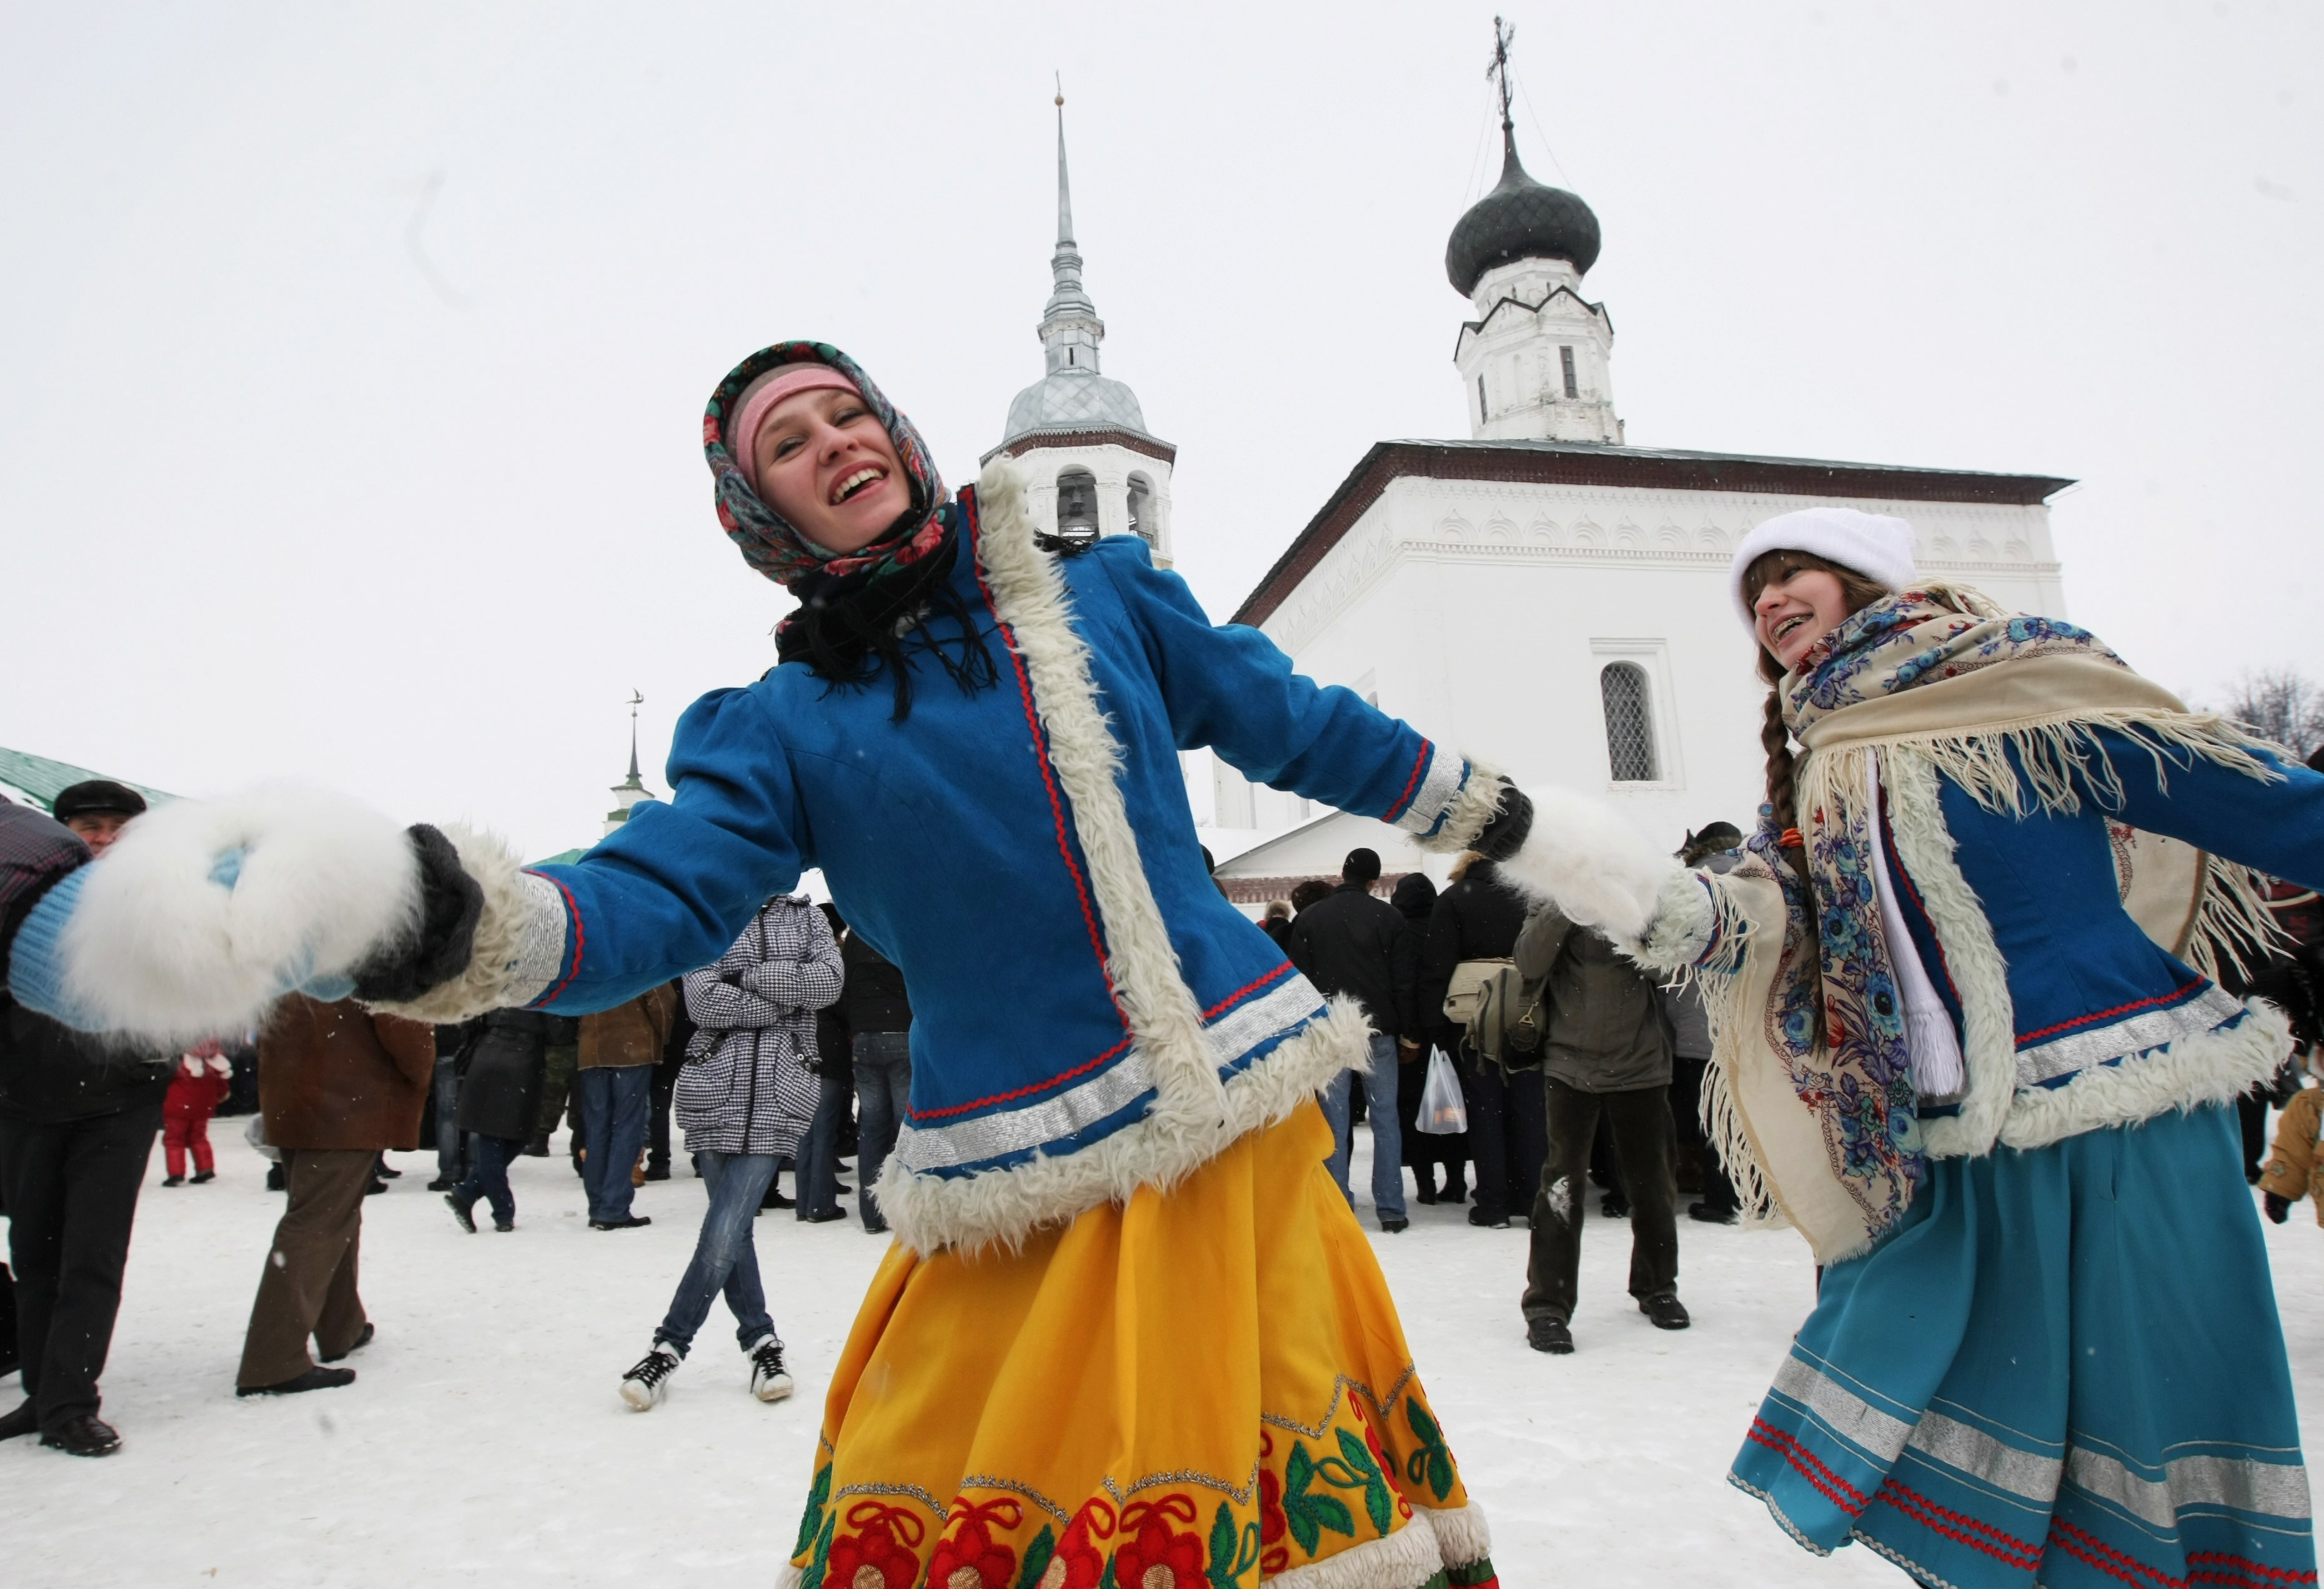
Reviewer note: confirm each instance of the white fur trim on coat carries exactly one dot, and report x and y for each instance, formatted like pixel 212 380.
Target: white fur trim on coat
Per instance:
pixel 161 945
pixel 1972 959
pixel 1589 860
pixel 1184 1132
pixel 1476 803
pixel 2210 1067
pixel 1194 1115
pixel 1462 1535
pixel 519 937
pixel 1405 1559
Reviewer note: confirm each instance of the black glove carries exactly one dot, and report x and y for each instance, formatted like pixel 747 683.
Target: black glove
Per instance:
pixel 451 903
pixel 1504 835
pixel 2277 1208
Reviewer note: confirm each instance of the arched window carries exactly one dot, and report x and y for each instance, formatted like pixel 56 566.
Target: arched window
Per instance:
pixel 1142 514
pixel 1630 722
pixel 1076 501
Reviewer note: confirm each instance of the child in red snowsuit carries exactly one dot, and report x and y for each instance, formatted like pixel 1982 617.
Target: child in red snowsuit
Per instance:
pixel 196 1090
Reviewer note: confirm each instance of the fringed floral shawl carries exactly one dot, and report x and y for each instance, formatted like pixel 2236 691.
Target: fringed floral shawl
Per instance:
pixel 1930 685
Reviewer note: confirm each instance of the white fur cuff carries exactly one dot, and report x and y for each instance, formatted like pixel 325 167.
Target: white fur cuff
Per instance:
pixel 520 945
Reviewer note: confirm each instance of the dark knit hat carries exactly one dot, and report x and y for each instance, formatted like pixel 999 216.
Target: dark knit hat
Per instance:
pixel 96 797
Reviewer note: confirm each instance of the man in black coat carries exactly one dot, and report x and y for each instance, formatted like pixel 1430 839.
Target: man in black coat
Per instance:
pixel 77 1127
pixel 1478 918
pixel 1346 943
pixel 878 1015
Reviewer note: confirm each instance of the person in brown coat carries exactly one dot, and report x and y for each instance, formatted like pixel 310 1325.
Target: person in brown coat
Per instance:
pixel 620 1048
pixel 336 1084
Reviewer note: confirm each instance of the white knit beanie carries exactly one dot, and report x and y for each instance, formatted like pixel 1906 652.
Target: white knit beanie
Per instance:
pixel 1873 544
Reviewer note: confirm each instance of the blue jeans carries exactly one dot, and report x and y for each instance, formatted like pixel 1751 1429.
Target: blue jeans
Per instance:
pixel 883 1082
pixel 1387 1133
pixel 489 1158
pixel 725 1258
pixel 451 1145
pixel 612 1130
pixel 818 1155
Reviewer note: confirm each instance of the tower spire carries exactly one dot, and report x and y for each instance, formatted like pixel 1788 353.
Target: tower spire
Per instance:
pixel 1504 34
pixel 1064 191
pixel 636 700
pixel 1070 328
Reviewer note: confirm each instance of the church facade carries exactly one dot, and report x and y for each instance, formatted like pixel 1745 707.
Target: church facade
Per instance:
pixel 1551 599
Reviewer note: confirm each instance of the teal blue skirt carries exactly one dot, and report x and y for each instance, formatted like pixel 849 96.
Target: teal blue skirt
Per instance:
pixel 2064 1368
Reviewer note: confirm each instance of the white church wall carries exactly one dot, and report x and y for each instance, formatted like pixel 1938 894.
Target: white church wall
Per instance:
pixel 1484 612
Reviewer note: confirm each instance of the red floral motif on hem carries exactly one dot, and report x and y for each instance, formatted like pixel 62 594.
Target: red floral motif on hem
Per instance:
pixel 1155 1556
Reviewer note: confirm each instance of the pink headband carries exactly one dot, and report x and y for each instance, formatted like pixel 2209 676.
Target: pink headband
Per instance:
pixel 758 399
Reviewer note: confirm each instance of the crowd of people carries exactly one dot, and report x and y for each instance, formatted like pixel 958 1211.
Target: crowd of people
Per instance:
pixel 757 1058
pixel 1954 1009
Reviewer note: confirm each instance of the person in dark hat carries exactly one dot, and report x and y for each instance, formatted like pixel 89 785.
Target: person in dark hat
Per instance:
pixel 77 1128
pixel 98 810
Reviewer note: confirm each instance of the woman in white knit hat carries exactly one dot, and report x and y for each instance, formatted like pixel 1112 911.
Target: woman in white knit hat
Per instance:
pixel 1966 1045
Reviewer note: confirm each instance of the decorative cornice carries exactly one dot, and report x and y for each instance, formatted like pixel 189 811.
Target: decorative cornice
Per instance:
pixel 1511 301
pixel 1587 464
pixel 1035 440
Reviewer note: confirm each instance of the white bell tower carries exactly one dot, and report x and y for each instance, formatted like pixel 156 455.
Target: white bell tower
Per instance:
pixel 1081 437
pixel 1537 361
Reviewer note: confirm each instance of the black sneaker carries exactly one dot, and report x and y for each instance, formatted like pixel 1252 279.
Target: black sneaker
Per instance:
pixel 1549 1334
pixel 1666 1311
pixel 769 1379
pixel 503 1226
pixel 628 1222
pixel 1709 1214
pixel 313 1379
pixel 538 1148
pixel 173 1180
pixel 657 1172
pixel 203 1177
pixel 644 1386
pixel 85 1435
pixel 1392 1223
pixel 1484 1221
pixel 463 1209
pixel 875 1225
pixel 442 1183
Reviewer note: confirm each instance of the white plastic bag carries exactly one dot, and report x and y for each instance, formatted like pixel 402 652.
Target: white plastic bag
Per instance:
pixel 1442 1111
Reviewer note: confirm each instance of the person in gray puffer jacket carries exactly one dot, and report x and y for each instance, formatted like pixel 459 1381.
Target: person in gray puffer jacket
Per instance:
pixel 744 1098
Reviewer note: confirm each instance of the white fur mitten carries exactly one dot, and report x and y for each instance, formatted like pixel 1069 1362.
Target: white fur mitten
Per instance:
pixel 204 912
pixel 1587 859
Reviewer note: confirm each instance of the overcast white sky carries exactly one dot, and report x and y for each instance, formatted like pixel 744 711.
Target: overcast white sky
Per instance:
pixel 351 357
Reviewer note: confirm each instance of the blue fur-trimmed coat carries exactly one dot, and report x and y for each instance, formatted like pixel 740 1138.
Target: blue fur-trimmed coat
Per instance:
pixel 2073 1015
pixel 1089 1013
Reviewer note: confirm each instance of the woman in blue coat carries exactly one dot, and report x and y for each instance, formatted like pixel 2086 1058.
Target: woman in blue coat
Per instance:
pixel 1966 1044
pixel 1129 1326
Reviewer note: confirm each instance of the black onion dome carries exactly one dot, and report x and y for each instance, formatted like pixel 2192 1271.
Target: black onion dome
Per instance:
pixel 1520 219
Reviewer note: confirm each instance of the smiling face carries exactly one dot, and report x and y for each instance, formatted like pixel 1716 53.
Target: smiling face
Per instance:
pixel 825 464
pixel 1798 606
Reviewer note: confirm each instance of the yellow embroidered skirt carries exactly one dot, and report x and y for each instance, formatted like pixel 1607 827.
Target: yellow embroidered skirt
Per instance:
pixel 1202 1389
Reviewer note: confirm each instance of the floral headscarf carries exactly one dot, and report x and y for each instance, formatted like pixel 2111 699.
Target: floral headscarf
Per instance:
pixel 768 542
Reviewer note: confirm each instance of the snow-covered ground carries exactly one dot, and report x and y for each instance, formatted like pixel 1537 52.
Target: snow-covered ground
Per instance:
pixel 484 1440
